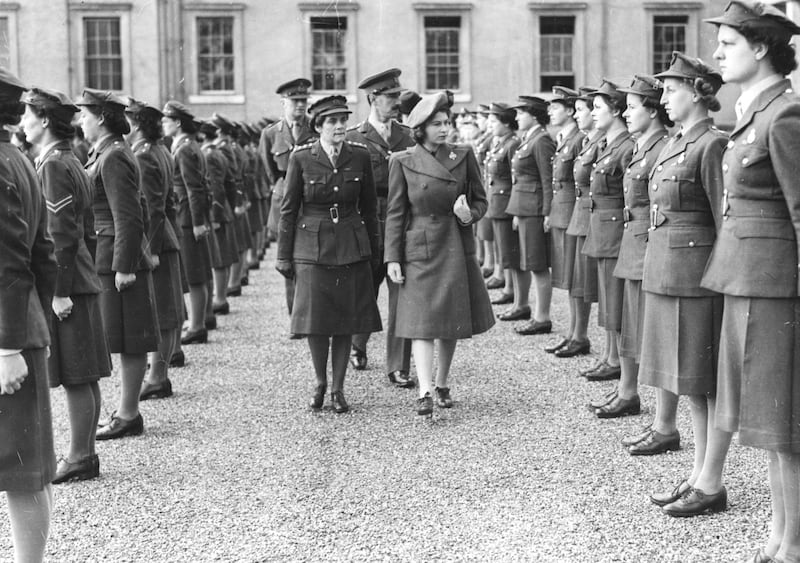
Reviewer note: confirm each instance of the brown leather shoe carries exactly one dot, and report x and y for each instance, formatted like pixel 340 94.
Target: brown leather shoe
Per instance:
pixel 657 443
pixel 620 407
pixel 574 348
pixel 358 359
pixel 318 399
pixel 504 299
pixel 534 327
pixel 515 314
pixel 663 499
pixel 155 390
pixel 339 404
pixel 605 373
pixel 694 502
pixel 401 379
pixel 119 428
pixel 443 398
pixel 628 441
pixel 603 401
pixel 81 470
pixel 553 348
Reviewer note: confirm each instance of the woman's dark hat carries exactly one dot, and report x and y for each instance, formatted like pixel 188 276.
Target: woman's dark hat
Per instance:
pixel 51 100
pixel 408 100
pixel 687 68
pixel 609 90
pixel 427 106
pixel 105 100
pixel 564 95
pixel 10 85
pixel 138 108
pixel 329 105
pixel 296 89
pixel 532 104
pixel 757 16
pixel 223 124
pixel 176 110
pixel 644 86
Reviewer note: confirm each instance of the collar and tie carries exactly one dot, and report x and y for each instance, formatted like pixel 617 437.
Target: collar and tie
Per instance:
pixel 333 154
pixel 295 130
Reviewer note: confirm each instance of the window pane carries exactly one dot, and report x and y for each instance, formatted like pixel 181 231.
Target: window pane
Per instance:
pixel 103 48
pixel 5 44
pixel 442 56
pixel 215 59
pixel 669 34
pixel 328 57
pixel 557 36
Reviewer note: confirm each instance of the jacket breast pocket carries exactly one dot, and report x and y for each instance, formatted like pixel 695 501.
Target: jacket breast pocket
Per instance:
pixel 314 186
pixel 750 155
pixel 416 246
pixel 600 181
pixel 362 238
pixel 352 183
pixel 689 249
pixel 306 239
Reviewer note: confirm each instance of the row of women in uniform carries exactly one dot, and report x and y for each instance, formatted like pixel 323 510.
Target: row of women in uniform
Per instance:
pixel 109 248
pixel 687 242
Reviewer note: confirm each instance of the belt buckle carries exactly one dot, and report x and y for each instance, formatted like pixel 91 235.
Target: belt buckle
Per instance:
pixel 726 206
pixel 653 216
pixel 334 214
pixel 626 214
pixel 591 205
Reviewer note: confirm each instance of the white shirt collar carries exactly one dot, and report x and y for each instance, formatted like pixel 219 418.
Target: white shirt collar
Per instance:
pixel 748 96
pixel 380 127
pixel 45 151
pixel 330 149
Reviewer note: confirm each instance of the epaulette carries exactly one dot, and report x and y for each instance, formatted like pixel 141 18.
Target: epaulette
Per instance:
pixel 303 147
pixel 357 144
pixel 356 126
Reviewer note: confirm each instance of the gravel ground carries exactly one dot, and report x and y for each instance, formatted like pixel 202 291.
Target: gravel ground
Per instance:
pixel 235 468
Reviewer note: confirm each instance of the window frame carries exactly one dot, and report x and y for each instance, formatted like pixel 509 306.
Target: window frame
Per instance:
pixel 83 10
pixel 192 12
pixel 323 31
pixel 348 10
pixel 691 10
pixel 458 51
pixel 576 10
pixel 87 57
pixel 653 23
pixel 443 9
pixel 542 72
pixel 9 10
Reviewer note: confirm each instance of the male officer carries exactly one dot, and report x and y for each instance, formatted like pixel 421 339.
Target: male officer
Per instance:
pixel 383 135
pixel 275 146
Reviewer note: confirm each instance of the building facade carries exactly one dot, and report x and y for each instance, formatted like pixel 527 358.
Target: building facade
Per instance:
pixel 230 56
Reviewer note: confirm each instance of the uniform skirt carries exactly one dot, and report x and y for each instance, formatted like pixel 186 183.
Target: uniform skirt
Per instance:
pixel 168 291
pixel 244 239
pixel 254 216
pixel 334 300
pixel 632 316
pixel 562 257
pixel 228 250
pixel 196 256
pixel 680 343
pixel 534 244
pixel 265 207
pixel 78 349
pixel 130 316
pixel 584 274
pixel 507 242
pixel 759 372
pixel 485 229
pixel 609 293
pixel 27 456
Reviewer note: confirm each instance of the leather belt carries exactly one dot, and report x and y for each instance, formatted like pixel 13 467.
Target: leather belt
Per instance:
pixel 739 207
pixel 635 214
pixel 683 218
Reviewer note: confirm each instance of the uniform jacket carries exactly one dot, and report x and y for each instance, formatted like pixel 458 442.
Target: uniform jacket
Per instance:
pixel 582 172
pixel 70 222
pixel 563 178
pixel 115 180
pixel 498 174
pixel 605 192
pixel 532 176
pixel 189 180
pixel 482 146
pixel 756 253
pixel 234 183
pixel 27 263
pixel 247 165
pixel 329 213
pixel 276 146
pixel 636 214
pixel 685 204
pixel 156 167
pixel 379 150
pixel 216 172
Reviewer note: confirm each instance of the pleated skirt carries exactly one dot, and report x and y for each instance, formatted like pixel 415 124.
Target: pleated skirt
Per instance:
pixel 680 343
pixel 562 258
pixel 534 244
pixel 584 274
pixel 609 292
pixel 759 372
pixel 507 243
pixel 168 291
pixel 633 303
pixel 78 347
pixel 27 456
pixel 130 316
pixel 334 300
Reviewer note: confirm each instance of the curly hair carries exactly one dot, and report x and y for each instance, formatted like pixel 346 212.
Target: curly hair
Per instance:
pixel 60 122
pixel 114 121
pixel 508 118
pixel 149 124
pixel 780 54
pixel 706 90
pixel 654 104
pixel 419 131
pixel 615 104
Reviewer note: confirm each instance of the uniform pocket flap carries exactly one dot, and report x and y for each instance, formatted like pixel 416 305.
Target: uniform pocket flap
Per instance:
pixel 310 224
pixel 757 227
pixel 416 245
pixel 754 155
pixel 639 227
pixel 689 238
pixel 609 215
pixel 352 177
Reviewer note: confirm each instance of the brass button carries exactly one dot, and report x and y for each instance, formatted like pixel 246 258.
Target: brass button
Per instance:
pixel 625 189
pixel 660 168
pixel 336 205
pixel 335 170
pixel 691 244
pixel 614 218
pixel 725 167
pixel 731 144
pixel 336 188
pixel 655 187
pixel 745 160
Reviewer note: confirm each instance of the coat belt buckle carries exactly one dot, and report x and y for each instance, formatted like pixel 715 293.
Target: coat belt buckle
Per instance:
pixel 334 215
pixel 653 216
pixel 626 214
pixel 726 206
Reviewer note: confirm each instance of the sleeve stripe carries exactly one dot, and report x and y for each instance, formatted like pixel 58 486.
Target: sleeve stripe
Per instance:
pixel 59 205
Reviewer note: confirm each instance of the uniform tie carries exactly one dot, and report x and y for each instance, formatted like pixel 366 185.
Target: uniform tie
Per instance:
pixel 296 131
pixel 334 155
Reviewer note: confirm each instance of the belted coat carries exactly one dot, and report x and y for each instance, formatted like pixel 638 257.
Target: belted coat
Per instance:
pixel 532 176
pixel 563 203
pixel 498 175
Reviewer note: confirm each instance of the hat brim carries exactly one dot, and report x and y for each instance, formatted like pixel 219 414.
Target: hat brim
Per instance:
pixel 650 94
pixel 394 90
pixel 723 20
pixel 673 74
pixel 298 96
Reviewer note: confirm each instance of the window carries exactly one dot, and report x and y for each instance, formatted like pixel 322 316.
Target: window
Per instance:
pixel 556 36
pixel 215 58
pixel 442 57
pixel 5 43
pixel 328 55
pixel 669 34
pixel 103 53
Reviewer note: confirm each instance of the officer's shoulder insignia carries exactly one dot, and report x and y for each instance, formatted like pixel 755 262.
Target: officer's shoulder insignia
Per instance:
pixel 357 144
pixel 303 147
pixel 356 126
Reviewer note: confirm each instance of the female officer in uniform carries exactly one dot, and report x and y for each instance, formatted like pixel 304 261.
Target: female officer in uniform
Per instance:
pixel 127 300
pixel 529 205
pixel 569 141
pixel 78 352
pixel 28 270
pixel 583 285
pixel 328 240
pixel 503 124
pixel 605 219
pixel 155 163
pixel 647 119
pixel 189 181
pixel 435 194
pixel 754 257
pixel 680 335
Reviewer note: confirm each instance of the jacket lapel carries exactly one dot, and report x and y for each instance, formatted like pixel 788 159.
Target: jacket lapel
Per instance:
pixel 760 103
pixel 425 163
pixel 675 148
pixel 647 147
pixel 319 155
pixel 345 156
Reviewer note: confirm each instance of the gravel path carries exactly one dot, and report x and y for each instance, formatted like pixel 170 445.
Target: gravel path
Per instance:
pixel 235 468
